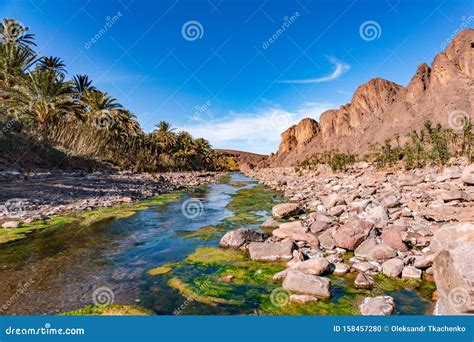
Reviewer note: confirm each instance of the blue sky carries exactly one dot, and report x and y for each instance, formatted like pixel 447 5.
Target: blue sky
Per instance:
pixel 244 70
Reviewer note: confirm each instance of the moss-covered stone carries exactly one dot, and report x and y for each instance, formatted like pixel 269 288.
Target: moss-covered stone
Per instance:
pixel 110 310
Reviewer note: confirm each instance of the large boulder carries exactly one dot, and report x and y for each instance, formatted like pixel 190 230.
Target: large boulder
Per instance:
pixel 295 231
pixel 240 238
pixel 451 235
pixel 393 237
pixel 454 277
pixel 410 272
pixel 271 251
pixel 467 175
pixel 285 209
pixel 352 233
pixel 381 252
pixel 377 306
pixel 300 282
pixel 316 266
pixel 363 250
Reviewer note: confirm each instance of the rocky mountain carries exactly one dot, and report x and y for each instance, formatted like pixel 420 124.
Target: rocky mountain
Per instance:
pixel 442 93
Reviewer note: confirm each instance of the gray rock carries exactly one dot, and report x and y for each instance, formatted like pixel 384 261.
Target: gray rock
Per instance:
pixel 393 267
pixel 390 201
pixel 316 266
pixel 266 251
pixel 377 306
pixel 352 233
pixel 337 210
pixel 326 241
pixel 300 282
pixel 333 200
pixel 467 175
pixel 375 214
pixel 454 195
pixel 381 252
pixel 424 261
pixel 302 299
pixel 295 231
pixel 318 226
pixel 340 268
pixel 454 278
pixel 364 266
pixel 364 281
pixel 410 272
pixel 240 238
pixel 270 224
pixel 451 235
pixel 285 209
pixel 365 247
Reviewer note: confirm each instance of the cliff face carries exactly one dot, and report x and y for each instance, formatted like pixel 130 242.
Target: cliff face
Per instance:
pixel 381 108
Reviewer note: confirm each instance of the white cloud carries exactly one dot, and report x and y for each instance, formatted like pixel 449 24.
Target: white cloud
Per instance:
pixel 339 70
pixel 254 132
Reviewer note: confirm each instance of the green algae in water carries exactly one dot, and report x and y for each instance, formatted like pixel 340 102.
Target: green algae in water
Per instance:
pixel 205 233
pixel 126 210
pixel 255 198
pixel 110 310
pixel 159 270
pixel 9 235
pixel 85 218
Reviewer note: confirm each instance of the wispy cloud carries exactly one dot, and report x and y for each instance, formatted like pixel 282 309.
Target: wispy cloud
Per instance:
pixel 339 69
pixel 255 132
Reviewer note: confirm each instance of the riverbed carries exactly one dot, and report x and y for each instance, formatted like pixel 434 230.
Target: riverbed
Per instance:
pixel 166 259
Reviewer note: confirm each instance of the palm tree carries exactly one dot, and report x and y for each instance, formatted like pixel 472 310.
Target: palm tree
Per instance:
pixel 165 137
pixel 82 84
pixel 101 108
pixel 16 53
pixel 41 97
pixel 12 31
pixel 54 64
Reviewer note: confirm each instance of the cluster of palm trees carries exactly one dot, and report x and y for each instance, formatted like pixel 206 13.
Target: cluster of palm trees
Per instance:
pixel 76 116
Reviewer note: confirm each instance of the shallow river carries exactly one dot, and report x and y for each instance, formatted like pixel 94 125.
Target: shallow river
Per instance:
pixel 59 270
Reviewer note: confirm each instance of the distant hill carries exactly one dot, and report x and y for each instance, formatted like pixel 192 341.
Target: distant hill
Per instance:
pixel 245 160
